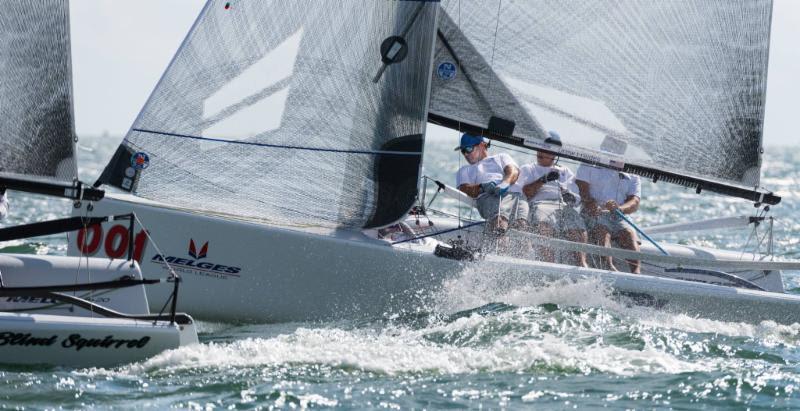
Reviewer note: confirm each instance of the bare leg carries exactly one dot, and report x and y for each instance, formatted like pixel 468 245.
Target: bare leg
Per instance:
pixel 499 227
pixel 500 224
pixel 521 224
pixel 545 253
pixel 628 240
pixel 602 237
pixel 578 236
pixel 521 245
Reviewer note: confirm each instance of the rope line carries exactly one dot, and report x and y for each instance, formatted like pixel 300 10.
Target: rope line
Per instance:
pixel 438 232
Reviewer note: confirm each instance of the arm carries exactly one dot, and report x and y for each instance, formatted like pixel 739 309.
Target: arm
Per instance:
pixel 530 189
pixel 631 203
pixel 589 204
pixel 533 187
pixel 630 206
pixel 465 182
pixel 510 174
pixel 568 187
pixel 472 190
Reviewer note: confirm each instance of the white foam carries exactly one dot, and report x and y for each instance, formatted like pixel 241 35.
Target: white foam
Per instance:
pixel 535 395
pixel 513 340
pixel 205 327
pixel 481 283
pixel 397 350
pixel 768 333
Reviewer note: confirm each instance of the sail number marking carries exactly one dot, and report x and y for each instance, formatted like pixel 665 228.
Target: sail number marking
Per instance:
pixel 114 242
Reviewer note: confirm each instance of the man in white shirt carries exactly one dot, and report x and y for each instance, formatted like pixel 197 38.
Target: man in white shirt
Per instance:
pixel 491 181
pixel 552 194
pixel 604 190
pixel 3 203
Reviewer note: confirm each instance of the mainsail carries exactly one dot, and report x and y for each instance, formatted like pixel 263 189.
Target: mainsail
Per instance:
pixel 287 111
pixel 37 137
pixel 682 82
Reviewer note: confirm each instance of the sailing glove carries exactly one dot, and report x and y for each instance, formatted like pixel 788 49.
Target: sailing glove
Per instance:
pixel 488 187
pixel 501 189
pixel 569 198
pixel 551 176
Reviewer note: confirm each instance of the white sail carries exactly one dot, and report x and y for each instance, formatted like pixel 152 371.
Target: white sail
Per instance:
pixel 37 137
pixel 682 82
pixel 269 111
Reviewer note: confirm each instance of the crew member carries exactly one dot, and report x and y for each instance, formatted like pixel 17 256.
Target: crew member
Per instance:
pixel 492 182
pixel 603 191
pixel 552 194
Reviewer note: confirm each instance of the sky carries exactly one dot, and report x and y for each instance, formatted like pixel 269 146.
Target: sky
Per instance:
pixel 121 47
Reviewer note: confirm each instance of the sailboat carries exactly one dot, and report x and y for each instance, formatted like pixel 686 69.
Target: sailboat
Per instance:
pixel 285 139
pixel 57 310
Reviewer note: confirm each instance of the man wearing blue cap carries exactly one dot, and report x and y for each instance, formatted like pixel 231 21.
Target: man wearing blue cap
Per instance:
pixel 491 181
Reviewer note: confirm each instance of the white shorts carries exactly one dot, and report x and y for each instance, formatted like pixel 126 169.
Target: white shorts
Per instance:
pixel 513 206
pixel 557 215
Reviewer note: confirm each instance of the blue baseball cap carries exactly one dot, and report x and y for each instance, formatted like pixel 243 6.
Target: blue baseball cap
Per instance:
pixel 468 140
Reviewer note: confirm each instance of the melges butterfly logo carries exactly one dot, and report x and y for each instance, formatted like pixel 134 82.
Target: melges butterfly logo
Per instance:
pixel 193 250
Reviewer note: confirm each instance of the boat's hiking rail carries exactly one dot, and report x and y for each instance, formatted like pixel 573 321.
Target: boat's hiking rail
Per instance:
pixel 55 292
pixel 678 261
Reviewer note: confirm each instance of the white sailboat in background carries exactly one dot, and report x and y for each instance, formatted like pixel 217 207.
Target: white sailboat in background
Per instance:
pixel 284 132
pixel 58 310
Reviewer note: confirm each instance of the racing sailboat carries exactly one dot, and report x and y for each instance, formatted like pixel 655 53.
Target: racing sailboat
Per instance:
pixel 286 136
pixel 56 310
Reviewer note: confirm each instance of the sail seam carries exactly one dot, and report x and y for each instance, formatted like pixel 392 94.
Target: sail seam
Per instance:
pixel 250 143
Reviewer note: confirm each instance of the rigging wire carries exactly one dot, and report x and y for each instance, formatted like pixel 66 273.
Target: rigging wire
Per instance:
pixel 81 252
pixel 155 245
pixel 754 232
pixel 496 27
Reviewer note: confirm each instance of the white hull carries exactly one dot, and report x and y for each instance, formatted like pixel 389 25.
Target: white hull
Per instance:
pixel 48 331
pixel 252 272
pixel 85 342
pixel 26 270
pixel 672 295
pixel 256 273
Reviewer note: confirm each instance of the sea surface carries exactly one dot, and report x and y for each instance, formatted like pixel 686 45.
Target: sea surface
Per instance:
pixel 560 347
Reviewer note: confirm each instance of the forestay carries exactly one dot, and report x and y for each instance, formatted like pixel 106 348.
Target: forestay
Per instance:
pixel 269 111
pixel 37 137
pixel 682 82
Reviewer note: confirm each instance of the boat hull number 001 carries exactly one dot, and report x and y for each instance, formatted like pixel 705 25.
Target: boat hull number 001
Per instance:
pixel 114 242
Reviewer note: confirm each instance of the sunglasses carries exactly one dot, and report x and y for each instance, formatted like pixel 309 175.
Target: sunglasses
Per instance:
pixel 467 150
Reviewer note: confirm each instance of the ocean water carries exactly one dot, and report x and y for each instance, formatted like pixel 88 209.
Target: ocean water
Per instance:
pixel 557 347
